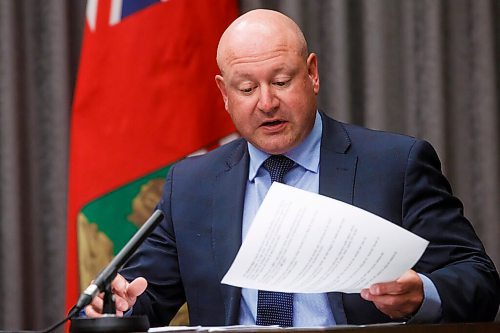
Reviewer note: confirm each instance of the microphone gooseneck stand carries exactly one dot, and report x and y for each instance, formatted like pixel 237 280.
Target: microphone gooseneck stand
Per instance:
pixel 109 322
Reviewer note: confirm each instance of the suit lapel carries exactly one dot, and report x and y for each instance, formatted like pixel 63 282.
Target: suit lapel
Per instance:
pixel 337 162
pixel 336 180
pixel 229 194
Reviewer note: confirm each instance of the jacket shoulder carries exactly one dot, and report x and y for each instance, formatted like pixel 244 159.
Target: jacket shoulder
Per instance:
pixel 216 160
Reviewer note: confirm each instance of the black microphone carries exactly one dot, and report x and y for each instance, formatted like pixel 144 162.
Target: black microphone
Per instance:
pixel 109 272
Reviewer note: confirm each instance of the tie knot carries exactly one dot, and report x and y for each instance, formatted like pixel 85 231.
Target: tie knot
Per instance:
pixel 278 166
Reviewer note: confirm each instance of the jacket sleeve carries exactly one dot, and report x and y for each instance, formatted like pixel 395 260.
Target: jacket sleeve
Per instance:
pixel 455 260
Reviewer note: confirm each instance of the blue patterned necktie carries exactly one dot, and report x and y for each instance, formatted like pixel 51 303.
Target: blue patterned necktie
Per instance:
pixel 276 308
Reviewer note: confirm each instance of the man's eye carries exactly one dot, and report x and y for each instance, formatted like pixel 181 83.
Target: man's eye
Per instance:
pixel 281 83
pixel 246 90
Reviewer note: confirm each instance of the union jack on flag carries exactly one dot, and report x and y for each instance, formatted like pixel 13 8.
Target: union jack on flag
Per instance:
pixel 117 10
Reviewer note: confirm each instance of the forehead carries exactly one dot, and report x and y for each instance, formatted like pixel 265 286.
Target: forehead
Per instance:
pixel 263 65
pixel 254 42
pixel 257 47
pixel 259 56
pixel 261 53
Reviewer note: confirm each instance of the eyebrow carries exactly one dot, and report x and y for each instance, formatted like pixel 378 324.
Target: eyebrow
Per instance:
pixel 275 71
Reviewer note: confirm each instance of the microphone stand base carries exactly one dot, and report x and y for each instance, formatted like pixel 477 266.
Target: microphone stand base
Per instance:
pixel 109 323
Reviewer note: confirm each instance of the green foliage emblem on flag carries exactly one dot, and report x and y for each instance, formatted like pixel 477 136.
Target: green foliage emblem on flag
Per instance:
pixel 107 223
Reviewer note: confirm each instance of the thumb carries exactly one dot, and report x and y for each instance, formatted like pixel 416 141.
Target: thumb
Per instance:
pixel 136 287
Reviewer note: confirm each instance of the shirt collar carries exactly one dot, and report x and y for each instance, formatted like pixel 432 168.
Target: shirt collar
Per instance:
pixel 306 154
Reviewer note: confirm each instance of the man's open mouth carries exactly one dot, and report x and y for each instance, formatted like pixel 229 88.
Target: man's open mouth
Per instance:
pixel 272 123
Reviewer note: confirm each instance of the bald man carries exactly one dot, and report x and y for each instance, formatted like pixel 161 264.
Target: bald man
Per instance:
pixel 269 83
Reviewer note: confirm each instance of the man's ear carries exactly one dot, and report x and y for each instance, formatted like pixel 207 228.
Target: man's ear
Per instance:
pixel 222 87
pixel 312 70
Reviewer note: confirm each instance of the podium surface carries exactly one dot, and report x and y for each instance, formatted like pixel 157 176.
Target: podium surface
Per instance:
pixel 435 328
pixel 490 327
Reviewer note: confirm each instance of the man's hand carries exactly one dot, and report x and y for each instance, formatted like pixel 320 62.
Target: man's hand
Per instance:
pixel 397 299
pixel 125 296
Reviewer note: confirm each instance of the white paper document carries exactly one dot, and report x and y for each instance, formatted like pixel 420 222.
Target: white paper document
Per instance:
pixel 303 242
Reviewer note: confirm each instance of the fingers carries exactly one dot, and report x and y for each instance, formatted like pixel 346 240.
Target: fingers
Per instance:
pixel 125 296
pixel 387 288
pixel 395 306
pixel 94 309
pixel 126 293
pixel 398 298
pixel 91 312
pixel 137 287
pixel 119 286
pixel 134 289
pixel 122 304
pixel 407 281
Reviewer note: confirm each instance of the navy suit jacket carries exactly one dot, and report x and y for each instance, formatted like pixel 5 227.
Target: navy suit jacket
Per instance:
pixel 394 176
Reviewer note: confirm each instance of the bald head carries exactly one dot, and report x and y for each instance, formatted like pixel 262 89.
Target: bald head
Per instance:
pixel 268 81
pixel 256 30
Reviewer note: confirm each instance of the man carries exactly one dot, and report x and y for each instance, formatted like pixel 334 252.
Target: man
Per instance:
pixel 269 84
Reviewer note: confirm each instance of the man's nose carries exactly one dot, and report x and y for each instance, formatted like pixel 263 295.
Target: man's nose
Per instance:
pixel 267 99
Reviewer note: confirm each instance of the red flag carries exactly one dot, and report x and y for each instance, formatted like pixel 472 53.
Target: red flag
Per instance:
pixel 145 97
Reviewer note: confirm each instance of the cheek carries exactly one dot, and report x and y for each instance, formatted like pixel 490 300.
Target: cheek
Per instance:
pixel 296 102
pixel 241 112
pixel 240 106
pixel 305 95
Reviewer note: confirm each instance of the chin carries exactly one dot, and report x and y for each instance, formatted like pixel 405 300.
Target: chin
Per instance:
pixel 275 145
pixel 276 149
